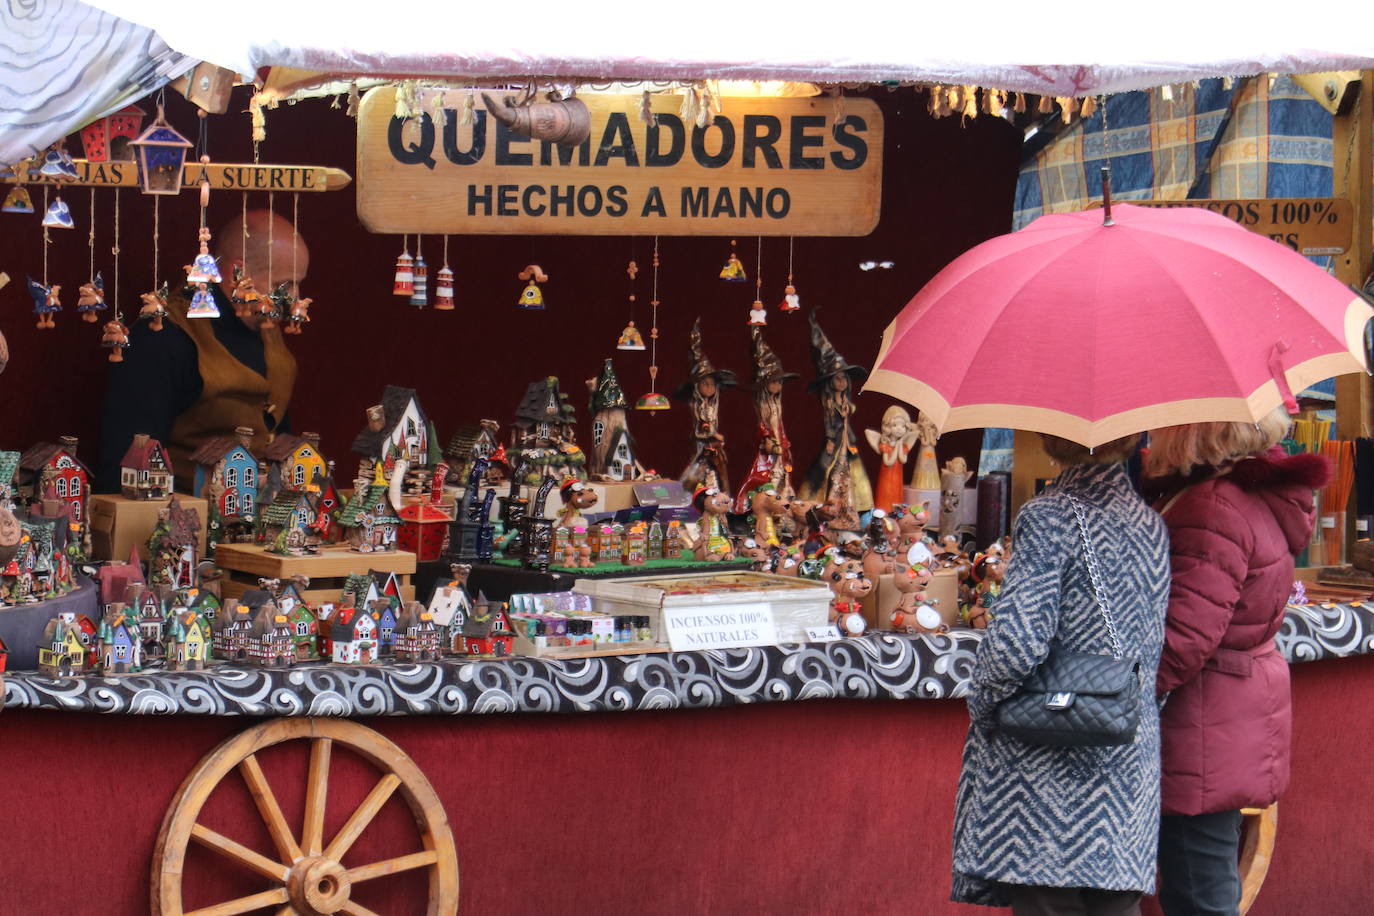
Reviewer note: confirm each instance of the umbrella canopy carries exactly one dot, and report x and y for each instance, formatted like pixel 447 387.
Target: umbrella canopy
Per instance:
pixel 1092 332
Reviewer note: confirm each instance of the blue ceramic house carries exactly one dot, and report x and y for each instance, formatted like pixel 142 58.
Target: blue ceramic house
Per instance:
pixel 227 462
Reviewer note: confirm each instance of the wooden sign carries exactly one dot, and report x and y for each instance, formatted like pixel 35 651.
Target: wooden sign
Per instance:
pixel 720 626
pixel 223 177
pixel 763 167
pixel 1308 225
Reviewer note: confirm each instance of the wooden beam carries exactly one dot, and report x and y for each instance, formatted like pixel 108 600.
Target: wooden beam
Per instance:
pixel 1352 154
pixel 223 176
pixel 1333 89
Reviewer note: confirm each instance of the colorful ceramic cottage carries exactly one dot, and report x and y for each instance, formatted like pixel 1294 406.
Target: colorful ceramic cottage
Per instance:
pixel 227 462
pixel 145 472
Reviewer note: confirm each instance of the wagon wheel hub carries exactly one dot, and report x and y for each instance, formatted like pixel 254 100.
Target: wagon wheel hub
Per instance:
pixel 318 886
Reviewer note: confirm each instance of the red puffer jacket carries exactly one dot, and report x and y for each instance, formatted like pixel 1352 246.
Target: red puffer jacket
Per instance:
pixel 1224 733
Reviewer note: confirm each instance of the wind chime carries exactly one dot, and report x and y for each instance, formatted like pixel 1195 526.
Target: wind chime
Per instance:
pixel 630 338
pixel 757 314
pixel 404 284
pixel 91 294
pixel 532 297
pixel 419 292
pixel 154 304
pixel 114 336
pixel 273 306
pixel 443 286
pixel 295 309
pixel 204 269
pixel 790 300
pixel 45 302
pixel 654 400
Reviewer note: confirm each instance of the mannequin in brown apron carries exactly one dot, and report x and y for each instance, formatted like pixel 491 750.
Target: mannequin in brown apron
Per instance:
pixel 243 372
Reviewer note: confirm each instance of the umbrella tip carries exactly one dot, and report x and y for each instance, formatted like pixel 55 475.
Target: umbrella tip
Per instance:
pixel 1107 196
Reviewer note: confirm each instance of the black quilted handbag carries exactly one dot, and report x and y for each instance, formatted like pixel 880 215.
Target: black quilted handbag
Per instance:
pixel 1078 699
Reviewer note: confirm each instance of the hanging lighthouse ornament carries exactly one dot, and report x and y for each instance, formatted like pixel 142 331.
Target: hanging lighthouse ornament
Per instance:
pixel 443 285
pixel 531 297
pixel 404 283
pixel 419 288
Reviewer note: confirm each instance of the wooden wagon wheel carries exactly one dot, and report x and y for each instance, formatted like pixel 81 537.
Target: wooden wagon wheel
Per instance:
pixel 1257 831
pixel 313 882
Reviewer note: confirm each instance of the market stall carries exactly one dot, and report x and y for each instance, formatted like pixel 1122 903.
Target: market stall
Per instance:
pixel 475 624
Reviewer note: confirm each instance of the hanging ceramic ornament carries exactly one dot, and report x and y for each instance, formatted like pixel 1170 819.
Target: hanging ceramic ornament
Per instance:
pixel 58 216
pixel 91 298
pixel 758 315
pixel 654 400
pixel 58 164
pixel 419 294
pixel 245 296
pixel 115 337
pixel 297 316
pixel 404 284
pixel 294 310
pixel 630 338
pixel 443 285
pixel 154 307
pixel 45 303
pixel 531 297
pixel 202 303
pixel 203 271
pixel 733 271
pixel 790 300
pixel 17 201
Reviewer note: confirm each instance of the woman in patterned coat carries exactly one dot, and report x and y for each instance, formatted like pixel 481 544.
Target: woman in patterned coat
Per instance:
pixel 1044 829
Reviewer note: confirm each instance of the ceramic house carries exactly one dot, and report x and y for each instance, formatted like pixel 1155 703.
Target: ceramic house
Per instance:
pixel 188 643
pixel 86 631
pixel 544 432
pixel 149 618
pixel 291 513
pixel 145 472
pixel 324 619
pixel 297 459
pixel 384 612
pixel 396 429
pixel 487 632
pixel 230 631
pixel 107 139
pixel 368 519
pixel 470 442
pixel 362 588
pixel 4 654
pixel 115 578
pixel 117 642
pixel 226 463
pixel 417 635
pixel 61 653
pixel 305 630
pixel 9 469
pixel 54 470
pixel 328 504
pixel 173 547
pixel 611 456
pixel 449 607
pixel 353 637
pixel 270 641
pixel 423 529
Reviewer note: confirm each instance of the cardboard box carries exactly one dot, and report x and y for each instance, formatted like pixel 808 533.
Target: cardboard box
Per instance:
pixel 244 564
pixel 944 587
pixel 118 523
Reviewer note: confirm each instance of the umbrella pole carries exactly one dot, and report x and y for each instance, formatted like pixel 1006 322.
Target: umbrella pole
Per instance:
pixel 1107 196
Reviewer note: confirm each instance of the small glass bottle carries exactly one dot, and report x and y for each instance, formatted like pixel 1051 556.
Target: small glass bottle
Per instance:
pixel 642 629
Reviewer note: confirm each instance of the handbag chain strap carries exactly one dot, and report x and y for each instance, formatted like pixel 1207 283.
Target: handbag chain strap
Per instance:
pixel 1093 573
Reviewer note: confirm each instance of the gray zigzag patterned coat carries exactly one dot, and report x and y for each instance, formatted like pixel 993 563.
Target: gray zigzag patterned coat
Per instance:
pixel 1065 817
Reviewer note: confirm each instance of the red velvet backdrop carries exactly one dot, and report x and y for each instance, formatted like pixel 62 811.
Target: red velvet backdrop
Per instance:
pixel 946 187
pixel 818 807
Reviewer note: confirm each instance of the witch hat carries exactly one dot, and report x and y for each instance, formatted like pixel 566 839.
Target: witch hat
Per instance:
pixel 767 366
pixel 702 367
pixel 827 360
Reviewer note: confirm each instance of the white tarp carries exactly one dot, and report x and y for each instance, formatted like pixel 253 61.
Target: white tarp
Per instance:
pixel 64 64
pixel 1072 48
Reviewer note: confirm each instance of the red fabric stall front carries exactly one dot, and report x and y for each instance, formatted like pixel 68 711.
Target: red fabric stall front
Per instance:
pixel 816 807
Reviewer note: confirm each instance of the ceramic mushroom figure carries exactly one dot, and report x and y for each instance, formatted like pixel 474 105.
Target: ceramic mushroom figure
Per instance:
pixel 837 469
pixel 952 481
pixel 577 497
pixel 713 537
pixel 702 391
pixel 773 461
pixel 848 586
pixel 893 444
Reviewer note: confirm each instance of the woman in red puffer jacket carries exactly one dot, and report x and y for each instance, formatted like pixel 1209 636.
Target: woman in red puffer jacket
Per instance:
pixel 1238 511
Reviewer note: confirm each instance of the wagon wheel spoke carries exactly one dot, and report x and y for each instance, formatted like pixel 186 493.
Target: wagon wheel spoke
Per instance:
pixel 353 908
pixel 243 904
pixel 316 788
pixel 240 854
pixel 358 822
pixel 392 866
pixel 269 809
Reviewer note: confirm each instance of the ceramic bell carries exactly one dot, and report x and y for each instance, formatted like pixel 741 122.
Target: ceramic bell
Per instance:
pixel 58 215
pixel 790 300
pixel 205 267
pixel 733 271
pixel 531 297
pixel 630 338
pixel 405 275
pixel 443 289
pixel 757 314
pixel 17 201
pixel 202 304
pixel 419 293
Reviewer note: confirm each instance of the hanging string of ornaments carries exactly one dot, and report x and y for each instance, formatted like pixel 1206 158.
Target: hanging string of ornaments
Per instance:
pixel 653 400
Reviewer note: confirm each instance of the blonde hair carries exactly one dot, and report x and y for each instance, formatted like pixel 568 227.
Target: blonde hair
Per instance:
pixel 1180 449
pixel 1069 453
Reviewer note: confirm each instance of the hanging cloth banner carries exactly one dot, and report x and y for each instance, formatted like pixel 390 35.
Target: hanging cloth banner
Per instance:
pixel 764 166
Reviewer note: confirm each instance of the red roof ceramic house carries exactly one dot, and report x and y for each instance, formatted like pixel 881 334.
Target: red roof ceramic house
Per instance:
pixel 145 472
pixel 107 139
pixel 71 480
pixel 423 526
pixel 115 578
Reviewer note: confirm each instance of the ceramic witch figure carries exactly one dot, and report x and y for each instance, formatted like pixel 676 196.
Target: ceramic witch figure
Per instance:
pixel 893 445
pixel 702 390
pixel 773 463
pixel 837 468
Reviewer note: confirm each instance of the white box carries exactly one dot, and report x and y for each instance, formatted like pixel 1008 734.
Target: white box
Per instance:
pixel 795 604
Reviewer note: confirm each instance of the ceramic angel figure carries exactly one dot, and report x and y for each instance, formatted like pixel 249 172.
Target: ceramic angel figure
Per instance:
pixel 926 476
pixel 893 445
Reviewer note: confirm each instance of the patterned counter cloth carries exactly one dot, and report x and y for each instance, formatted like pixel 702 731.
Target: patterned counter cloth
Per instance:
pixel 879 666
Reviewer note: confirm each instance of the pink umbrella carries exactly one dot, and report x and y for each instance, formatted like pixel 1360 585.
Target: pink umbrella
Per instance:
pixel 1092 331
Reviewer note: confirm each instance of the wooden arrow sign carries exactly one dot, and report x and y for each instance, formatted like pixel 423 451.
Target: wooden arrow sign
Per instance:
pixel 223 176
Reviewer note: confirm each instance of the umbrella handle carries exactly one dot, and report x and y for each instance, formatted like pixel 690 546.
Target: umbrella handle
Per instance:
pixel 1280 347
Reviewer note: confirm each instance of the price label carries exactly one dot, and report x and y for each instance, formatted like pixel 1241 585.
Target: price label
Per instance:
pixel 829 633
